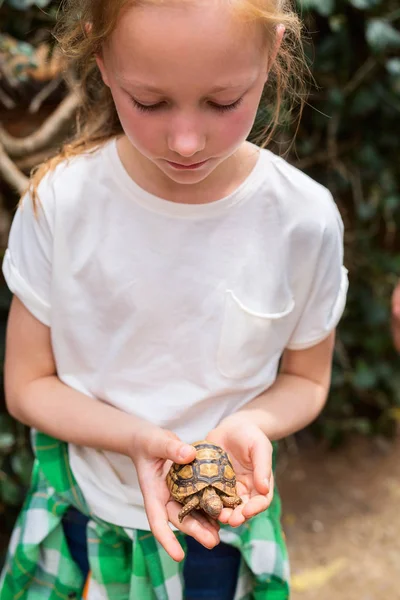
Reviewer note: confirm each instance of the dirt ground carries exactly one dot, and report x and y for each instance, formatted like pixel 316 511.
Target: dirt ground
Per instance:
pixel 341 516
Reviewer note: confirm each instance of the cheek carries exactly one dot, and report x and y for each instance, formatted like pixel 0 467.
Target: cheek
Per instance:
pixel 140 128
pixel 235 126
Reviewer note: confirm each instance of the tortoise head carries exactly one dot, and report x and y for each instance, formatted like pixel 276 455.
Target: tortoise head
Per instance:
pixel 210 502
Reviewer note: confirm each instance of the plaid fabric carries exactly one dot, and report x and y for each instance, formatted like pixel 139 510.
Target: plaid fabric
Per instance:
pixel 125 564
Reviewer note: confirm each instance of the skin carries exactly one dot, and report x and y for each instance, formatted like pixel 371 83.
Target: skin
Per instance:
pixel 164 46
pixel 396 317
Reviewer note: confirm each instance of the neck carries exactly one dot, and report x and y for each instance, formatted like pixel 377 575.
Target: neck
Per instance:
pixel 224 180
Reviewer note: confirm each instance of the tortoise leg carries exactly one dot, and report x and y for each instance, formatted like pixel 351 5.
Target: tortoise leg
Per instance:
pixel 230 501
pixel 191 503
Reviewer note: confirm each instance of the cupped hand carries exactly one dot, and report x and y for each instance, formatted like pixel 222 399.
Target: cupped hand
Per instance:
pixel 250 452
pixel 153 452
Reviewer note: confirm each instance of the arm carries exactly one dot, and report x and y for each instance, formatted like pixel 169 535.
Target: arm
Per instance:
pixel 298 394
pixel 37 397
pixel 292 402
pixel 396 317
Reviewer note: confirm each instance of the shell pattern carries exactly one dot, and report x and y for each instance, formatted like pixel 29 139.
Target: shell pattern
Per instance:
pixel 211 467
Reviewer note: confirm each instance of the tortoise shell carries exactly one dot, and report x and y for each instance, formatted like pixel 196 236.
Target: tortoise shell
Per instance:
pixel 211 467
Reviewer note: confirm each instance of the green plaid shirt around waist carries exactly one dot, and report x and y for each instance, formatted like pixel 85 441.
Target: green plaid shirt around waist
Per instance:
pixel 125 564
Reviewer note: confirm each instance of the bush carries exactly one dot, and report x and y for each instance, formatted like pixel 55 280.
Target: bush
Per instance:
pixel 348 141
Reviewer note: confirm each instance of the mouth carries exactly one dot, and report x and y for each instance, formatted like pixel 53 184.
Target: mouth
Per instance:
pixel 190 167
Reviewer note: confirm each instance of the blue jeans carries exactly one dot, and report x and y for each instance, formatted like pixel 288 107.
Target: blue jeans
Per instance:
pixel 208 574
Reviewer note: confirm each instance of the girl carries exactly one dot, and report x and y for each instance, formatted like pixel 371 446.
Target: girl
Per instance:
pixel 163 267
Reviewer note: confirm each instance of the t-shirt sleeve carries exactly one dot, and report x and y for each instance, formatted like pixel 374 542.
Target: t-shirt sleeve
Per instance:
pixel 326 298
pixel 27 264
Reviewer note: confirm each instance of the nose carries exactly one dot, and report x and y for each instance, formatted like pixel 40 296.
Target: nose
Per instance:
pixel 186 138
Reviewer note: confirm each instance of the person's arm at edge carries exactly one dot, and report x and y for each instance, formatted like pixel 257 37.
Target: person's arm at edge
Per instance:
pixel 395 317
pixel 297 396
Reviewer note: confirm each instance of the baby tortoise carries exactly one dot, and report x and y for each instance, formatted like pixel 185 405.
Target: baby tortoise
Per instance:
pixel 207 483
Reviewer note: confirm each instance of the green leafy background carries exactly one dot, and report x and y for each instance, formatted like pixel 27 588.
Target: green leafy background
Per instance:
pixel 349 141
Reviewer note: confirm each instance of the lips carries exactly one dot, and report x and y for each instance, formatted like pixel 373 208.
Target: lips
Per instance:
pixel 191 166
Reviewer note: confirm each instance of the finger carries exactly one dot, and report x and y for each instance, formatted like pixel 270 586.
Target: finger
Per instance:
pixel 237 518
pixel 205 521
pixel 167 447
pixel 158 521
pixel 197 527
pixel 224 515
pixel 209 523
pixel 255 505
pixel 259 503
pixel 243 490
pixel 261 456
pixel 195 524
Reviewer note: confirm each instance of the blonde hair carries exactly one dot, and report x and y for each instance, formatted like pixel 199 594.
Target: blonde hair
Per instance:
pixel 97 120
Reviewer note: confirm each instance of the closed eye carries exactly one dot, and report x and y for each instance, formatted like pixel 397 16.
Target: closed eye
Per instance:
pixel 159 105
pixel 147 107
pixel 226 107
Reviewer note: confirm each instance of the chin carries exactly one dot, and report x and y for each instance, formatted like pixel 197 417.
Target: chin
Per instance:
pixel 188 177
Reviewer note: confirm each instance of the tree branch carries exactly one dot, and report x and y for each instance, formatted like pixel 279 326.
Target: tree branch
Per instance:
pixel 10 172
pixel 44 93
pixel 43 136
pixel 6 100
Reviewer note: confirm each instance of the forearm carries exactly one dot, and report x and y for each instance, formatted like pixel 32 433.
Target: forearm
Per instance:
pixel 289 405
pixel 54 408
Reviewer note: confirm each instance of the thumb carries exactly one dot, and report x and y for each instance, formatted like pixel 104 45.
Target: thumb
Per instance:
pixel 172 448
pixel 262 464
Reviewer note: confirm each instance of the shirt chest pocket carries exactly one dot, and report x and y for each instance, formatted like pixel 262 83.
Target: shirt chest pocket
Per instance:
pixel 249 339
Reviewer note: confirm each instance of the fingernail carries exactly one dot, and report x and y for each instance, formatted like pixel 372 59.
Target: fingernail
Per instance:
pixel 185 451
pixel 266 482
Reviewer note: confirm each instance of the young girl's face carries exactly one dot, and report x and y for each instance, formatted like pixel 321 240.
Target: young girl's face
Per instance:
pixel 186 79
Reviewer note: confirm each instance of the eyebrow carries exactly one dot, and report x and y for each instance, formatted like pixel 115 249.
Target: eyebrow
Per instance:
pixel 150 88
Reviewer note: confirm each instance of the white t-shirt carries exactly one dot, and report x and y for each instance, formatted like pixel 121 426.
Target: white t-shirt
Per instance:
pixel 177 313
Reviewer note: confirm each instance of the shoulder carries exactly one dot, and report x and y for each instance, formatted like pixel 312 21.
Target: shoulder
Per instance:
pixel 304 205
pixel 72 180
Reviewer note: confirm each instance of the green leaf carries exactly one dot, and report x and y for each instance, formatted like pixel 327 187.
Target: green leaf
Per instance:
pixel 7 441
pixel 24 4
pixel 364 378
pixel 370 158
pixel 323 7
pixel 360 425
pixel 337 23
pixel 21 463
pixel 364 4
pixel 364 102
pixel 392 202
pixel 393 66
pixel 10 492
pixel 336 97
pixel 366 211
pixel 381 35
pixel 6 423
